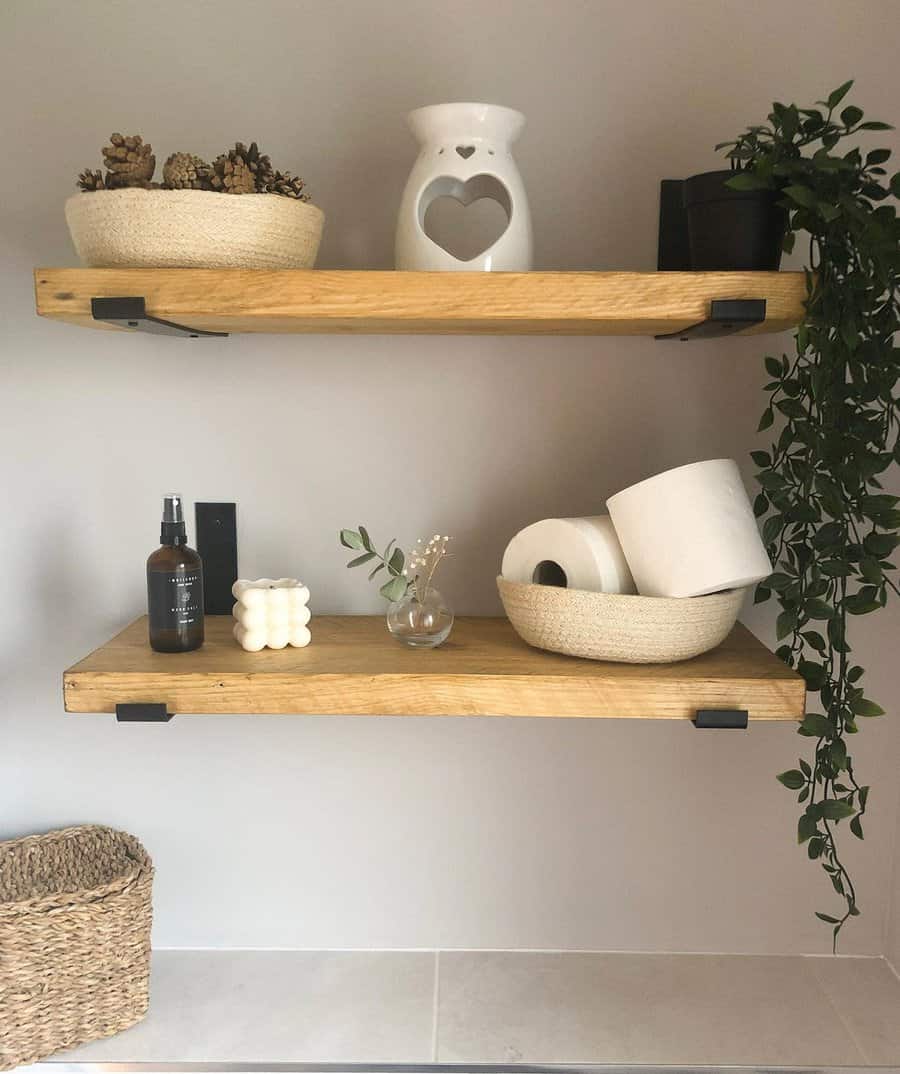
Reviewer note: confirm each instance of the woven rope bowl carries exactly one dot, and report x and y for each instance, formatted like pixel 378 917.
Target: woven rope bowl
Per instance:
pixel 75 912
pixel 135 228
pixel 612 626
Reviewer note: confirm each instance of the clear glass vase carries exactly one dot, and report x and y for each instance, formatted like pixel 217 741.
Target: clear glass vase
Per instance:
pixel 424 623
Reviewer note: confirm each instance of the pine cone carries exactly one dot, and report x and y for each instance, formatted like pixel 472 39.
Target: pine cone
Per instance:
pixel 128 161
pixel 184 171
pixel 289 186
pixel 241 170
pixel 89 180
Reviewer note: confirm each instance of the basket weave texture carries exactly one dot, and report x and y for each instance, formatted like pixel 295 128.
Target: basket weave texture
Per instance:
pixel 136 228
pixel 75 912
pixel 623 628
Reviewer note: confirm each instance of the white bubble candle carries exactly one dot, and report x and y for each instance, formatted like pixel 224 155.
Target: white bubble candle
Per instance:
pixel 270 613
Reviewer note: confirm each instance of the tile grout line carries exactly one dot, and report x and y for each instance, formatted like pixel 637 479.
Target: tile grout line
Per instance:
pixel 848 1029
pixel 435 1000
pixel 890 965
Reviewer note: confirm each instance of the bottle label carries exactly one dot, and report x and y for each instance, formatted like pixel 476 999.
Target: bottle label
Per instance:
pixel 175 598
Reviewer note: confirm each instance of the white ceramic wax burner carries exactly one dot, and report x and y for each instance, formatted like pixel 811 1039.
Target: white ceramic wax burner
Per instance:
pixel 465 155
pixel 270 613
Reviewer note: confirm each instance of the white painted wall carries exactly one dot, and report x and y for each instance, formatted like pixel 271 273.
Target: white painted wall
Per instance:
pixel 331 832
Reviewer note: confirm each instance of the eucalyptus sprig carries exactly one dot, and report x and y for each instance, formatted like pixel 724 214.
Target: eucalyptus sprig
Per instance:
pixel 829 527
pixel 392 560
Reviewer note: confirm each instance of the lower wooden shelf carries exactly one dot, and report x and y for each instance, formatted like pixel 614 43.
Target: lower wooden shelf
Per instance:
pixel 467 303
pixel 353 667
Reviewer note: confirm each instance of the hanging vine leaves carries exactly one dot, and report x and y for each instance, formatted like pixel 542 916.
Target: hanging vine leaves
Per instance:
pixel 829 526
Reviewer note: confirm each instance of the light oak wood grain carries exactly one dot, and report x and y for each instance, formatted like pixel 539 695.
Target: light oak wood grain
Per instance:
pixel 297 300
pixel 354 667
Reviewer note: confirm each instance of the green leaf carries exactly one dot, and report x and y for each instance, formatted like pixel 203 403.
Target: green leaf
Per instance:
pixel 807 827
pixel 875 125
pixel 394 589
pixel 772 528
pixel 779 581
pixel 372 574
pixel 878 156
pixel 351 539
pixel 817 609
pixel 761 458
pixel 862 706
pixel 814 674
pixel 832 533
pixel 836 96
pixel 792 779
pixel 772 481
pixel 837 754
pixel 835 809
pixel 856 827
pixel 766 420
pixel 880 544
pixel 801 195
pixel 785 624
pixel 817 725
pixel 745 180
pixel 851 115
pixel 871 571
pixel 827 918
pixel 815 640
pixel 364 558
pixel 395 563
pixel 773 367
pixel 366 540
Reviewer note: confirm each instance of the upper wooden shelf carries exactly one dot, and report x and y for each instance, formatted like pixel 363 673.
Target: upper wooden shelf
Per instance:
pixel 298 300
pixel 353 667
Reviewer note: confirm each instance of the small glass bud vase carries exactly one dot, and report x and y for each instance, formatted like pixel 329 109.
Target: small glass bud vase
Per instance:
pixel 422 624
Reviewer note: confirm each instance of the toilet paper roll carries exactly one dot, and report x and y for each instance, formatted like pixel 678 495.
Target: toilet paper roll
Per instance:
pixel 575 553
pixel 690 531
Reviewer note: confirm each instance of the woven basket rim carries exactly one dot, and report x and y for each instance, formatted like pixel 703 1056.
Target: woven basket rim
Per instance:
pixel 135 192
pixel 141 867
pixel 616 598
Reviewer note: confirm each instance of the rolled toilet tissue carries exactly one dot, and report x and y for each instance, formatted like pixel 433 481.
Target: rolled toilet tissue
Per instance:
pixel 690 531
pixel 574 553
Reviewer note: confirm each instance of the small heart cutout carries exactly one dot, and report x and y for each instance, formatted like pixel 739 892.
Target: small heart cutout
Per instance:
pixel 465 151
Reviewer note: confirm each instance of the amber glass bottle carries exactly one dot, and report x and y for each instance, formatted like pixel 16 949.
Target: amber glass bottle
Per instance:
pixel 175 586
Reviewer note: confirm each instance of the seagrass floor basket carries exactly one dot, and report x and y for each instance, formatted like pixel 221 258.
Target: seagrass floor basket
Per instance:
pixel 75 911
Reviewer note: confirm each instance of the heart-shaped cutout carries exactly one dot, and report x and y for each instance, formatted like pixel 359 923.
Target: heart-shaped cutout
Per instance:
pixel 465 219
pixel 465 151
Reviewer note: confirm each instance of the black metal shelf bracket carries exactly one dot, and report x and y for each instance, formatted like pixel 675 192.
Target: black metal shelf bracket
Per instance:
pixel 726 316
pixel 132 313
pixel 726 719
pixel 143 712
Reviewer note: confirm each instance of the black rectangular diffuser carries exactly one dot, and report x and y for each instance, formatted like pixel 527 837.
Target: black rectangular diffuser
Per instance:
pixel 217 545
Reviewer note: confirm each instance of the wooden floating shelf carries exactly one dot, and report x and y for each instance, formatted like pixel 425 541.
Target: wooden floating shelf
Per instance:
pixel 353 667
pixel 530 303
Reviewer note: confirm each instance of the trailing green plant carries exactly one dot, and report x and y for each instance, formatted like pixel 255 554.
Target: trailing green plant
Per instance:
pixel 829 526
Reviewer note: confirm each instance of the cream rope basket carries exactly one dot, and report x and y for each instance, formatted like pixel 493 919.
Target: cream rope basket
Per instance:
pixel 624 628
pixel 75 912
pixel 193 229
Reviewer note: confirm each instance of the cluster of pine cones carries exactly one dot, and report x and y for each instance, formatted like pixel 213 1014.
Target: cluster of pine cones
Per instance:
pixel 242 170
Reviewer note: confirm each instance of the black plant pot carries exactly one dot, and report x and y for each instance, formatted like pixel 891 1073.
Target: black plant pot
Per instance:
pixel 706 226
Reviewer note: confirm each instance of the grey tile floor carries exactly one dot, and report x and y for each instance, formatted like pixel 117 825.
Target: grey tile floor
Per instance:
pixel 511 1008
